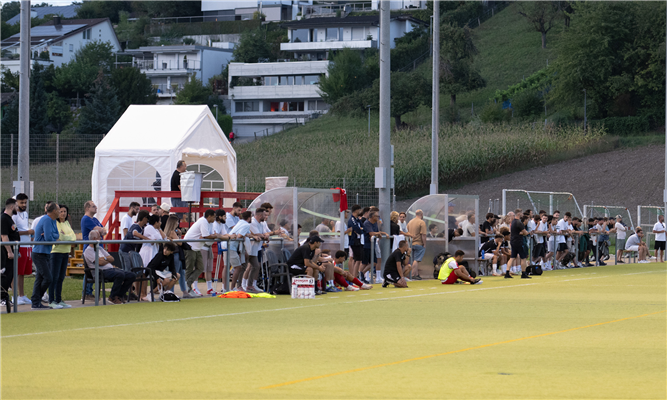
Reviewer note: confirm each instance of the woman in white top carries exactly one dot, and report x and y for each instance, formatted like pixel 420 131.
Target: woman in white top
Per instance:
pixel 153 232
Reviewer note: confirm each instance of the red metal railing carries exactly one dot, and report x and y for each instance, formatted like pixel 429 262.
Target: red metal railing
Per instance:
pixel 112 218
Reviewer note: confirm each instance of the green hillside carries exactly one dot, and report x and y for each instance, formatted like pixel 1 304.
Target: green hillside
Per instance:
pixel 509 49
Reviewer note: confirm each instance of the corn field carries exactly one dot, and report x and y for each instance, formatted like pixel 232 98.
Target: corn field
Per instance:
pixel 338 148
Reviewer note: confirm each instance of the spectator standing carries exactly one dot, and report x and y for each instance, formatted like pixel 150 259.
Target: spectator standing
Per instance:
pixel 128 219
pixel 90 223
pixel 122 280
pixel 323 227
pixel 45 231
pixel 417 229
pixel 236 252
pixel 621 234
pixel 517 231
pixel 356 241
pixel 194 258
pixel 253 247
pixel 163 212
pixel 25 258
pixel 232 218
pixel 402 223
pixel 60 259
pixel 136 232
pixel 173 232
pixel 176 184
pixel 659 230
pixel 395 231
pixel 371 230
pixel 9 233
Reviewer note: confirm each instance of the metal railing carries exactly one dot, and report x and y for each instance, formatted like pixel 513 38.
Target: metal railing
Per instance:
pixel 168 65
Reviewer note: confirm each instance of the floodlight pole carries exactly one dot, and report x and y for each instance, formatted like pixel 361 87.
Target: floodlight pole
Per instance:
pixel 24 99
pixel 435 103
pixel 664 194
pixel 384 203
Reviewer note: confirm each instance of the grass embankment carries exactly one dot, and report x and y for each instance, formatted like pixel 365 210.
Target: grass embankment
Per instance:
pixel 341 147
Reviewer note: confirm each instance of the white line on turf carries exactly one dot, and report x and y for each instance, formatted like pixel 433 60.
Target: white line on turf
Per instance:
pixel 547 280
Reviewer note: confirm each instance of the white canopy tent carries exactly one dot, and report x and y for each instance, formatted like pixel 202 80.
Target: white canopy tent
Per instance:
pixel 140 152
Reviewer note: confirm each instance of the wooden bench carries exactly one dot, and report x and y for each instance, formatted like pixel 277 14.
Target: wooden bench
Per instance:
pixel 75 266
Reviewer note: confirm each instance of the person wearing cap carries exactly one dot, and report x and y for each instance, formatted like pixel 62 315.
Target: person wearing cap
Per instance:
pixel 163 212
pixel 301 262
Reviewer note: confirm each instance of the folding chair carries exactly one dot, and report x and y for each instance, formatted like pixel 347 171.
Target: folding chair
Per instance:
pixel 89 277
pixel 277 271
pixel 138 269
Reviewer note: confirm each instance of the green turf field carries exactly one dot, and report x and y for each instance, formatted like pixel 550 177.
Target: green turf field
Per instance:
pixel 593 333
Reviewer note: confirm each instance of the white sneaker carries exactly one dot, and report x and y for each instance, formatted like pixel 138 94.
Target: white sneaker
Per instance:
pixel 378 280
pixel 194 294
pixel 65 305
pixel 351 288
pixel 479 282
pixel 366 286
pixel 643 262
pixel 23 300
pixel 45 298
pixel 55 306
pixel 405 277
pixel 195 289
pixel 257 289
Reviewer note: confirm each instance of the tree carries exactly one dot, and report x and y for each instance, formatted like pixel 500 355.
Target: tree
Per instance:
pixel 101 110
pixel 194 92
pixel 346 74
pixel 132 87
pixel 10 81
pixel 77 76
pixel 252 47
pixel 38 102
pixel 542 15
pixel 458 73
pixel 103 9
pixel 409 90
pixel 10 117
pixel 615 51
pixel 10 9
pixel 58 111
pixel 164 9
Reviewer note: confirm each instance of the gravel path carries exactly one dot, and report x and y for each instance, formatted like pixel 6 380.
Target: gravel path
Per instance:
pixel 626 177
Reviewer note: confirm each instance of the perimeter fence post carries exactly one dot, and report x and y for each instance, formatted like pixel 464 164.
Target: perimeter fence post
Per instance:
pixel 97 275
pixel 16 278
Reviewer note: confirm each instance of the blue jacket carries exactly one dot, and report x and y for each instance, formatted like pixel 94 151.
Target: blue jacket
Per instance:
pixel 45 231
pixel 356 230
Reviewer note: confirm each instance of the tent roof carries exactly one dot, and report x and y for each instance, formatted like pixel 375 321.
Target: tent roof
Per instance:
pixel 158 130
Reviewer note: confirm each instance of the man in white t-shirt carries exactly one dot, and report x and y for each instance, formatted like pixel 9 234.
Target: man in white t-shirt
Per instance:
pixel 25 252
pixel 621 234
pixel 539 232
pixel 402 223
pixel 468 226
pixel 253 247
pixel 194 259
pixel 562 227
pixel 236 251
pixel 659 230
pixel 128 219
pixel 232 218
pixel 634 243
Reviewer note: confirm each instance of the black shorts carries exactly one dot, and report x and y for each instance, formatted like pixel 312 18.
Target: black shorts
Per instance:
pixel 391 276
pixel 562 246
pixel 659 245
pixel 539 250
pixel 297 271
pixel 367 257
pixel 358 251
pixel 590 245
pixel 519 251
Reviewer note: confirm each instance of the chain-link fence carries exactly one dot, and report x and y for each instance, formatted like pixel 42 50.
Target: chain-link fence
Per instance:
pixel 60 167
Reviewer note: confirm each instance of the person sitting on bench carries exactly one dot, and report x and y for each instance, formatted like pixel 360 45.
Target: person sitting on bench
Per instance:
pixel 451 271
pixel 634 243
pixel 122 280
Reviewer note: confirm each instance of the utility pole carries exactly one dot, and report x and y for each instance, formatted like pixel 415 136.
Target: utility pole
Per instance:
pixel 585 117
pixel 384 198
pixel 24 100
pixel 435 102
pixel 664 195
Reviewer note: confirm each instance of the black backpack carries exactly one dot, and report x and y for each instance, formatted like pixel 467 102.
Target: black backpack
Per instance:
pixel 281 288
pixel 437 262
pixel 534 269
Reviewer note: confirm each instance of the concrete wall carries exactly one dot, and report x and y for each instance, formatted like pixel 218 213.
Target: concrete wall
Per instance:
pixel 203 40
pixel 213 62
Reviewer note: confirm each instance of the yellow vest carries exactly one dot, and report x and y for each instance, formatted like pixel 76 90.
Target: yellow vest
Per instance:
pixel 445 270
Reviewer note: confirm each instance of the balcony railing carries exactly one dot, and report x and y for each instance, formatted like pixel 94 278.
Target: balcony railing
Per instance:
pixel 169 65
pixel 165 90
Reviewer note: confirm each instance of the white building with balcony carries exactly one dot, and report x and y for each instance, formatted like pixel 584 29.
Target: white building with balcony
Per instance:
pixel 63 38
pixel 267 96
pixel 170 67
pixel 237 10
pixel 318 38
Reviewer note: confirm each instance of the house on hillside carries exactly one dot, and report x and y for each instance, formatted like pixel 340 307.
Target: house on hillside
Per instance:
pixel 269 96
pixel 63 38
pixel 41 12
pixel 239 10
pixel 170 67
pixel 318 38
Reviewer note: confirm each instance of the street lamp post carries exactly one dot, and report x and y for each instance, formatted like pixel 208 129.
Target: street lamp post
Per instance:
pixel 216 111
pixel 369 120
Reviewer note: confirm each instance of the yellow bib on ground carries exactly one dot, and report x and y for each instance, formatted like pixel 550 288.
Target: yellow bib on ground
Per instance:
pixel 445 270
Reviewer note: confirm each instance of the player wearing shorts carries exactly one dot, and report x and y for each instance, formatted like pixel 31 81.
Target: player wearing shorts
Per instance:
pixel 344 278
pixel 395 267
pixel 519 253
pixel 451 271
pixel 490 251
pixel 355 240
pixel 659 230
pixel 25 252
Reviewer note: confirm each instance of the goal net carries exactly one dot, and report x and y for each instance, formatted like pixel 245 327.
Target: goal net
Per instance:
pixel 536 201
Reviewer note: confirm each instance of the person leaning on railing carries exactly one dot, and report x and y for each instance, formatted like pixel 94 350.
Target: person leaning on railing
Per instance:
pixel 60 259
pixel 122 280
pixel 45 231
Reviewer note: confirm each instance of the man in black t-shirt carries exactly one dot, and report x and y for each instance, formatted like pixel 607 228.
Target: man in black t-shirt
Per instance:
pixel 491 250
pixel 164 259
pixel 176 186
pixel 10 233
pixel 487 228
pixel 301 261
pixel 395 267
pixel 517 232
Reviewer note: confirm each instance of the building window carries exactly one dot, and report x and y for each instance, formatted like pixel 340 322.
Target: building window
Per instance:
pixel 71 48
pixel 290 80
pixel 332 34
pixel 317 105
pixel 86 34
pixel 300 35
pixel 298 80
pixel 247 106
pixel 296 105
pixel 311 79
pixel 270 81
